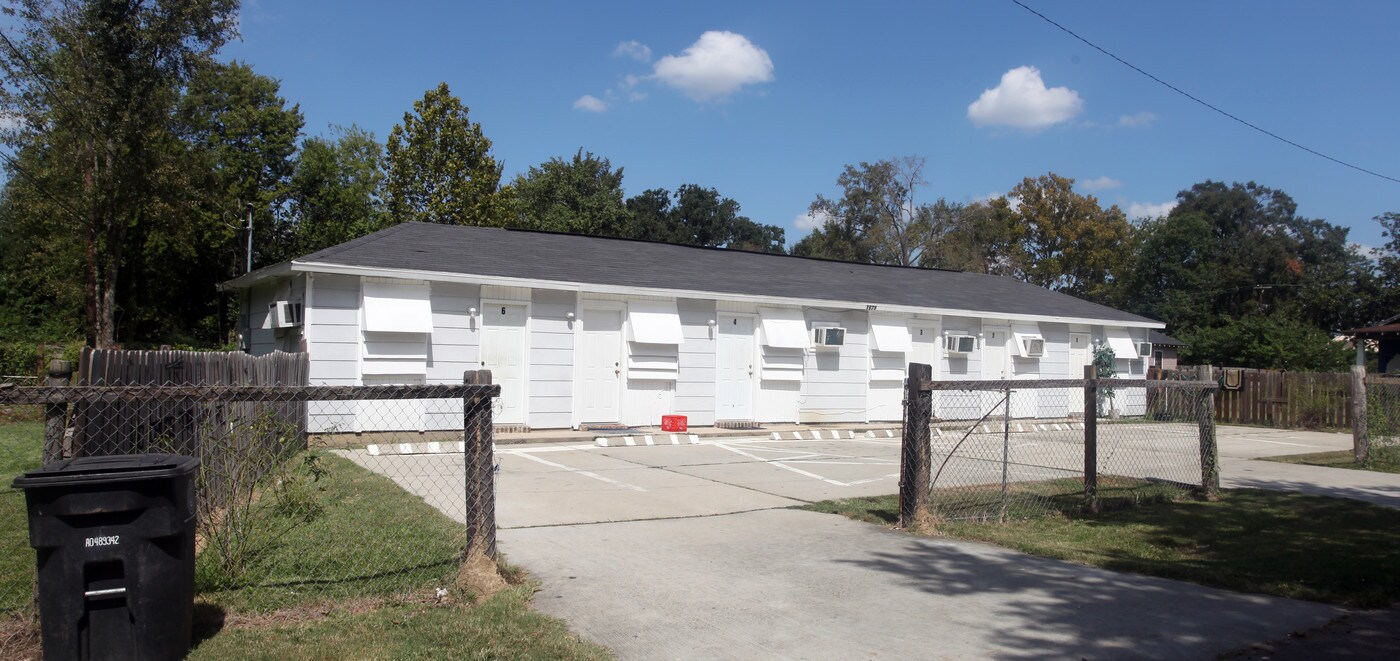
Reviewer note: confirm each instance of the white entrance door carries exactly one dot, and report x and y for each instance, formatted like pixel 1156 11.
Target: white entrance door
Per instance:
pixel 734 391
pixel 926 337
pixel 996 362
pixel 600 366
pixel 1078 358
pixel 503 352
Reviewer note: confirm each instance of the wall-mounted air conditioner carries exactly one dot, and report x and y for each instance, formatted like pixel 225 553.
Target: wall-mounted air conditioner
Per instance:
pixel 959 344
pixel 1035 347
pixel 1144 349
pixel 829 336
pixel 284 314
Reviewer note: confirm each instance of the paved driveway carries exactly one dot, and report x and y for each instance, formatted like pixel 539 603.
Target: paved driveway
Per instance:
pixel 689 552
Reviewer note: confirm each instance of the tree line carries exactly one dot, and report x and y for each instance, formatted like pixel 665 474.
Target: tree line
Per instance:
pixel 139 159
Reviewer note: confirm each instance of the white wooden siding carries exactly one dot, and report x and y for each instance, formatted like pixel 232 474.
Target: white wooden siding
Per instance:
pixel 334 346
pixel 551 359
pixel 834 381
pixel 695 387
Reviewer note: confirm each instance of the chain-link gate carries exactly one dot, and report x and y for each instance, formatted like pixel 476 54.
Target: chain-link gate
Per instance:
pixel 1010 449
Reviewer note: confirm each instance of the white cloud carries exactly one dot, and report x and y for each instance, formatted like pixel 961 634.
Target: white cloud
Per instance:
pixel 1137 119
pixel 1100 183
pixel 810 221
pixel 715 66
pixel 1150 209
pixel 590 103
pixel 1023 101
pixel 633 49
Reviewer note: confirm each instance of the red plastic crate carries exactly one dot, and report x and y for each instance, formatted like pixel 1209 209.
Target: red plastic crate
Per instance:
pixel 673 423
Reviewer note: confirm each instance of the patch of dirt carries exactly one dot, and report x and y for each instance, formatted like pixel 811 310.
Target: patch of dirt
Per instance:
pixel 1360 635
pixel 480 576
pixel 19 638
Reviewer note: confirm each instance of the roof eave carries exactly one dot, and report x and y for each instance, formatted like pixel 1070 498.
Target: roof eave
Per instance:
pixel 253 277
pixel 468 278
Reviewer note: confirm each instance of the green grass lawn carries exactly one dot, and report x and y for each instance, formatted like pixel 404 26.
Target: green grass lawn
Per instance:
pixel 1333 550
pixel 21 449
pixel 353 582
pixel 502 627
pixel 1383 459
pixel 372 539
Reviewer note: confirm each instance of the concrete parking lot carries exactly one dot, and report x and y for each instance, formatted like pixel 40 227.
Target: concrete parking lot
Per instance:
pixel 690 551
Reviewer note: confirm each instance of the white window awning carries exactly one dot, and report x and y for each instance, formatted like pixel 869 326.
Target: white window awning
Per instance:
pixel 1021 333
pixel 890 334
pixel 397 307
pixel 654 322
pixel 784 328
pixel 1122 343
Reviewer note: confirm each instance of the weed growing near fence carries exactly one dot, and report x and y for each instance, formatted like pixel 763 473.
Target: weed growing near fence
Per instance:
pixel 1333 550
pixel 371 538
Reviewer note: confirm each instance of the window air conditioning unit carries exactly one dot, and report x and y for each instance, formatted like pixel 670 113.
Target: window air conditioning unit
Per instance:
pixel 1145 349
pixel 1035 346
pixel 959 344
pixel 284 314
pixel 829 336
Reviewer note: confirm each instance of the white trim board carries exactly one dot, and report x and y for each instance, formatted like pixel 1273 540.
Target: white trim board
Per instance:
pixel 441 276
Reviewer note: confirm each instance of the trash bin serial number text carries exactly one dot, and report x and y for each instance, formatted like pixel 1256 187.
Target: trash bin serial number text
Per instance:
pixel 109 540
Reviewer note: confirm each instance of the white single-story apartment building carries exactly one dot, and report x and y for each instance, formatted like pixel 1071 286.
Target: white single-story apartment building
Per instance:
pixel 581 330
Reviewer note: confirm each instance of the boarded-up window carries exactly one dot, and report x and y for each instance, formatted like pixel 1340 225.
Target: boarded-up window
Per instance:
pixel 781 364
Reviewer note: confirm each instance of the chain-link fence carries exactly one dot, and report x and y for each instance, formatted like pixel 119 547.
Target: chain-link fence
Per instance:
pixel 997 450
pixel 1383 420
pixel 307 492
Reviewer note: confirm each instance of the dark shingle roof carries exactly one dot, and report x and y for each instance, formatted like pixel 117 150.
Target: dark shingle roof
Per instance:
pixel 620 262
pixel 1158 337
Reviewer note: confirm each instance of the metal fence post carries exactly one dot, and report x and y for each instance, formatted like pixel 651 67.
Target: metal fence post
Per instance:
pixel 1210 452
pixel 1091 438
pixel 914 460
pixel 480 468
pixel 56 415
pixel 1360 435
pixel 1005 447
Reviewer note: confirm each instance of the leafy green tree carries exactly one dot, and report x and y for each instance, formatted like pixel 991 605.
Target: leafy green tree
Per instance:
pixel 1070 244
pixel 876 219
pixel 1267 341
pixel 981 237
pixel 93 86
pixel 1386 303
pixel 440 167
pixel 581 196
pixel 243 137
pixel 699 216
pixel 337 189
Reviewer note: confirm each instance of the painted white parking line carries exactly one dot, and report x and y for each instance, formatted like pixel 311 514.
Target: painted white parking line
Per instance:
pixel 799 471
pixel 874 479
pixel 1260 440
pixel 571 469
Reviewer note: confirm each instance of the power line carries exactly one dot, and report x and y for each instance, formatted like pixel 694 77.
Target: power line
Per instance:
pixel 1182 92
pixel 38 185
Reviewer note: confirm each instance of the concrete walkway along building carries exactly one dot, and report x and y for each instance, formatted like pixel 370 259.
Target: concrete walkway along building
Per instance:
pixel 580 330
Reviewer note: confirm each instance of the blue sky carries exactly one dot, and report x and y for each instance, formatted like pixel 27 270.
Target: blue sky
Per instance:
pixel 768 101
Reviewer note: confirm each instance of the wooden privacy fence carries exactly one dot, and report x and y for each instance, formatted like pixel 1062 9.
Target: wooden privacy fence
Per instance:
pixel 1272 398
pixel 175 424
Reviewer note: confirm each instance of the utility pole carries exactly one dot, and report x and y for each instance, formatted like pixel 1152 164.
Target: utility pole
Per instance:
pixel 250 238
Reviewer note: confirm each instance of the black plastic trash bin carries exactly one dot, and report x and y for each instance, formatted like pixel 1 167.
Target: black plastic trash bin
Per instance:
pixel 115 543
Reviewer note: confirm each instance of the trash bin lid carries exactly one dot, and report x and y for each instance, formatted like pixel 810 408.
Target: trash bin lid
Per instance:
pixel 105 470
